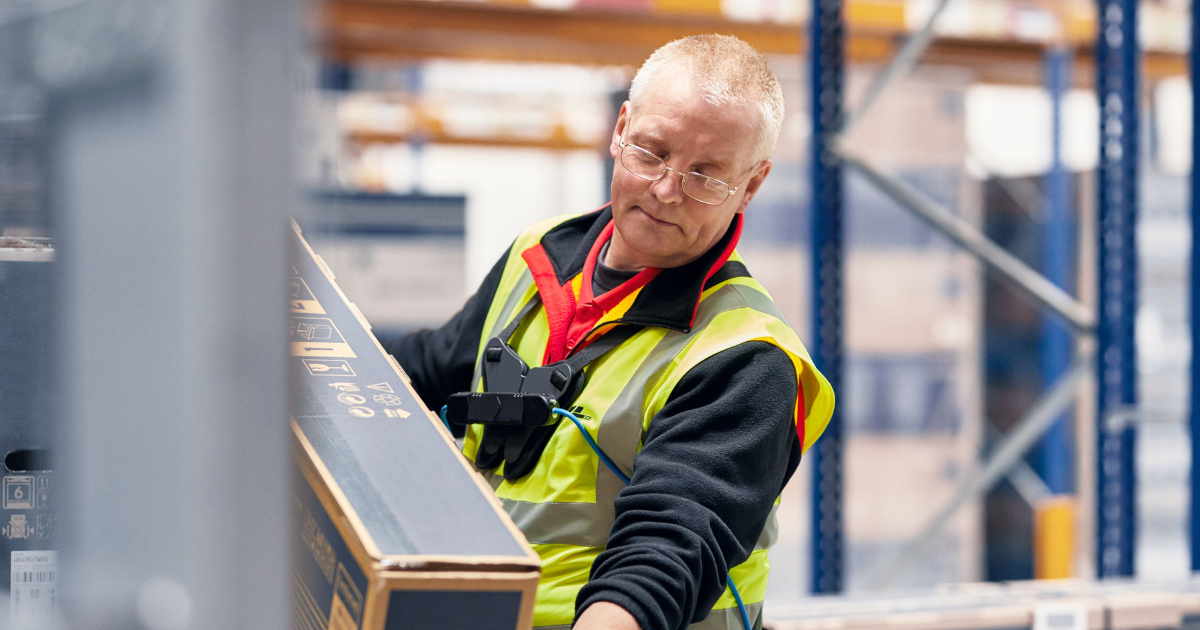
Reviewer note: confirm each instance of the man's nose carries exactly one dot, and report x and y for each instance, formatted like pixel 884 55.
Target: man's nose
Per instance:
pixel 669 189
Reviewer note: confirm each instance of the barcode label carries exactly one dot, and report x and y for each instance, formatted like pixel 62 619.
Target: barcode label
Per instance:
pixel 32 577
pixel 33 594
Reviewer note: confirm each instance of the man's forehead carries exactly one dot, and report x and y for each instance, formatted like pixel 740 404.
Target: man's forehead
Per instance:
pixel 674 110
pixel 678 135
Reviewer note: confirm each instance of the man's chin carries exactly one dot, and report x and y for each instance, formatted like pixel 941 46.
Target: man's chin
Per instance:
pixel 654 242
pixel 653 221
pixel 652 249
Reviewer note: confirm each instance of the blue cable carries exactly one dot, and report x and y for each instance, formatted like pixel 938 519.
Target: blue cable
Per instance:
pixel 592 443
pixel 737 597
pixel 444 420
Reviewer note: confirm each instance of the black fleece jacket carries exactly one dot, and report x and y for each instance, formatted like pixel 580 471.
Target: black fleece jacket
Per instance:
pixel 714 460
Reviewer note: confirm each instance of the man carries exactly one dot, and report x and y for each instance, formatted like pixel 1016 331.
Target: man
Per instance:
pixel 706 398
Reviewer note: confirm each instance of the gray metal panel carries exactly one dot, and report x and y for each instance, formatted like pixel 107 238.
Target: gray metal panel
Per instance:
pixel 376 213
pixel 169 146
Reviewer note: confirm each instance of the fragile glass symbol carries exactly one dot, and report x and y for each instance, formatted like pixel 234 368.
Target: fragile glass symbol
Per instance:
pixel 322 367
pixel 314 331
pixel 328 367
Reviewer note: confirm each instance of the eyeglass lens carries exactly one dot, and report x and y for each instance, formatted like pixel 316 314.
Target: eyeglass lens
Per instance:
pixel 648 166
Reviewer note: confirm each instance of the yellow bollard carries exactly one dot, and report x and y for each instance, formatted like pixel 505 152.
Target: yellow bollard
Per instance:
pixel 1054 537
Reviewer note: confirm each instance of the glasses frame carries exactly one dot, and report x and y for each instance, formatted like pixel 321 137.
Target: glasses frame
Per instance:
pixel 729 192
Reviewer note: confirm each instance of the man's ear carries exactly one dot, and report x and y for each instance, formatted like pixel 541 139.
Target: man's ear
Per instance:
pixel 755 181
pixel 614 147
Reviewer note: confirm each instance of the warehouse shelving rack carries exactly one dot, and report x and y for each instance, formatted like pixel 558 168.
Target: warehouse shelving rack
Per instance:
pixel 1118 66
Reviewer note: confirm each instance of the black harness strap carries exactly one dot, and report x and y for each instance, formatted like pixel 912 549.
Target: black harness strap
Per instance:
pixel 516 404
pixel 597 348
pixel 584 357
pixel 506 334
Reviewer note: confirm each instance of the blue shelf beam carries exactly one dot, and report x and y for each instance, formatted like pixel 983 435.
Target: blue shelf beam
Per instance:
pixel 1055 453
pixel 1117 66
pixel 827 75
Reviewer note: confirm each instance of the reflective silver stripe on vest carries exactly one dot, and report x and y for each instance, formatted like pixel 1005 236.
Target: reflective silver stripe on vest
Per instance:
pixel 510 306
pixel 588 524
pixel 620 434
pixel 730 619
pixel 552 523
pixel 723 619
pixel 770 533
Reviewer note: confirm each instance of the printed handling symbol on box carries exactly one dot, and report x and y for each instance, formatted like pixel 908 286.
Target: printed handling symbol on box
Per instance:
pixel 328 367
pixel 45 526
pixel 314 331
pixel 301 298
pixel 18 493
pixel 43 491
pixel 390 400
pixel 396 413
pixel 318 337
pixel 350 399
pixel 18 527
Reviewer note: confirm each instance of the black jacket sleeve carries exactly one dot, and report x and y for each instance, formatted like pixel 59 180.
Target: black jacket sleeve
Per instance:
pixel 440 362
pixel 715 459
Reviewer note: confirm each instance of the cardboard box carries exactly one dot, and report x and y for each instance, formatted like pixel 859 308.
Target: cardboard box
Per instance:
pixel 395 530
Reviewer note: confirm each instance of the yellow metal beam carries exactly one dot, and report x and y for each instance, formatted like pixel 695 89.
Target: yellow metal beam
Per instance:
pixel 416 29
pixel 352 30
pixel 555 142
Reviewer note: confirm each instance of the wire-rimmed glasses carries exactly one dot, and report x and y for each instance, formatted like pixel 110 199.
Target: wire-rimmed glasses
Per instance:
pixel 650 167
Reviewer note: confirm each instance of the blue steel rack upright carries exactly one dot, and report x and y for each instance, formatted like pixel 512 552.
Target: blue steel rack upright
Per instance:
pixel 1117 65
pixel 826 62
pixel 1055 455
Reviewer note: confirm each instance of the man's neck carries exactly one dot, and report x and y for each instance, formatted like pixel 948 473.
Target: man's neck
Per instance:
pixel 624 258
pixel 612 256
pixel 613 259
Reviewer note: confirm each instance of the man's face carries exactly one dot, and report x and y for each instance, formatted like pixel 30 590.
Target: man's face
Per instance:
pixel 657 225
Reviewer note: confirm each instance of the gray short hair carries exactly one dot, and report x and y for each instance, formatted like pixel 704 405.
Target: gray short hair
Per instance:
pixel 728 71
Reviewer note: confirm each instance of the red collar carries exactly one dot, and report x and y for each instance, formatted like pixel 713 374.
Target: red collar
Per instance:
pixel 611 298
pixel 666 298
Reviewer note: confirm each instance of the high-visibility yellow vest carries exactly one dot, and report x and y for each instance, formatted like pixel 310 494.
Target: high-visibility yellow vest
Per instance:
pixel 565 505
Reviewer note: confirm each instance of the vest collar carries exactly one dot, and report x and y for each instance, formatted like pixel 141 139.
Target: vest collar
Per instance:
pixel 670 299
